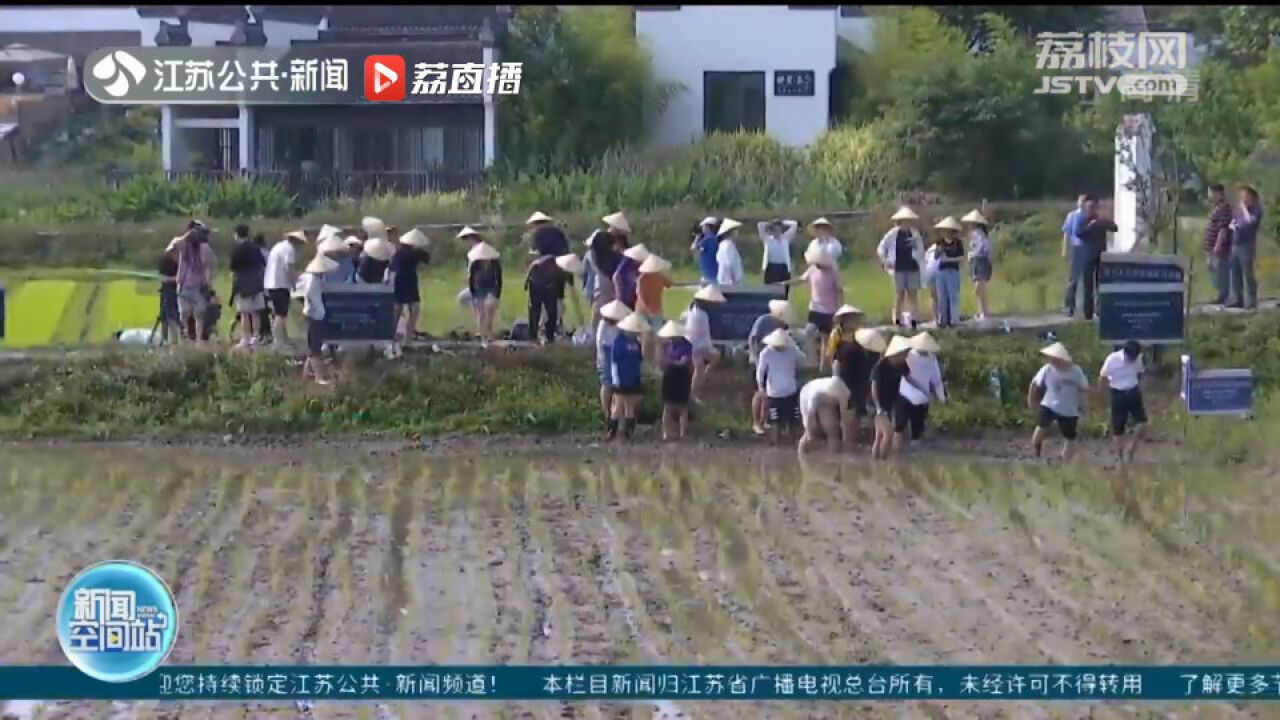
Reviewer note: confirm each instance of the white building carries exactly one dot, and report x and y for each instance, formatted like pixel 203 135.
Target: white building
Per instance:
pixel 752 67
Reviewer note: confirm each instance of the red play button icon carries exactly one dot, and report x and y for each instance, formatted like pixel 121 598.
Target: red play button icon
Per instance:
pixel 384 78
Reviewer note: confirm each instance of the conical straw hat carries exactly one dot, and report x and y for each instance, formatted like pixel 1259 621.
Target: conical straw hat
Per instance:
pixel 897 346
pixel 328 230
pixel 1057 351
pixel 373 226
pixel 778 339
pixel 615 310
pixel 924 342
pixel 709 220
pixel 709 293
pixel 415 238
pixel 538 217
pixel 569 263
pixel 820 222
pixel 618 222
pixel 781 309
pixel 379 249
pixel 847 310
pixel 947 223
pixel 639 253
pixel 467 232
pixel 331 244
pixel 974 217
pixel 634 323
pixel 905 213
pixel 871 339
pixel 728 226
pixel 654 264
pixel 320 265
pixel 671 329
pixel 298 235
pixel 483 251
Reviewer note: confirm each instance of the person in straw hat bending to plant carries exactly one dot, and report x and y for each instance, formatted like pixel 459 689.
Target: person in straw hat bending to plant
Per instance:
pixel 924 381
pixel 887 376
pixel 677 379
pixel 484 280
pixel 605 333
pixel 901 252
pixel 775 261
pixel 823 405
pixel 411 253
pixel 776 370
pixel 625 359
pixel 309 288
pixel 697 323
pixel 979 258
pixel 854 351
pixel 778 318
pixel 1055 395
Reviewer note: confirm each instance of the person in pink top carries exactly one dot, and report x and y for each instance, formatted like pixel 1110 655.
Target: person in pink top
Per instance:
pixel 826 291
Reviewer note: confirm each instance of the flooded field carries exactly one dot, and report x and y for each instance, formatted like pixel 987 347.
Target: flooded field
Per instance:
pixel 340 555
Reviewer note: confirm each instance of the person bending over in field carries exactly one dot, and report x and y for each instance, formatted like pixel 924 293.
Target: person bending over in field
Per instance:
pixel 823 404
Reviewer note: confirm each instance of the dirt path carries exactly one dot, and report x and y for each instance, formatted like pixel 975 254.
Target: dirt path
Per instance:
pixel 323 555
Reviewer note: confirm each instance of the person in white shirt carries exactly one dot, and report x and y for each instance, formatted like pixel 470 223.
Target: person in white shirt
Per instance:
pixel 697 325
pixel 923 380
pixel 606 332
pixel 728 260
pixel 776 373
pixel 1059 386
pixel 279 280
pixel 1122 371
pixel 824 241
pixel 775 261
pixel 823 405
pixel 310 289
pixel 901 253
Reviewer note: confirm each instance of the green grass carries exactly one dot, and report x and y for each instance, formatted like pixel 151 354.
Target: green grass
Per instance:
pixel 33 310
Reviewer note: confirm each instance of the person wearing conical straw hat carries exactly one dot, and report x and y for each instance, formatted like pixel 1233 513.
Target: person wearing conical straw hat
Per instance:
pixel 826 290
pixel 1056 395
pixel 650 286
pixel 603 257
pixel 854 351
pixel 948 279
pixel 375 261
pixel 697 323
pixel 279 281
pixel 572 266
pixel 412 252
pixel 484 280
pixel 776 370
pixel 332 247
pixel 824 404
pixel 373 227
pixel 1122 372
pixel 901 252
pixel 626 277
pixel 547 239
pixel 775 261
pixel 706 242
pixel 625 360
pixel 606 332
pixel 347 261
pixel 728 259
pixel 887 376
pixel 823 239
pixel 677 379
pixel 544 284
pixel 979 255
pixel 923 382
pixel 779 317
pixel 309 288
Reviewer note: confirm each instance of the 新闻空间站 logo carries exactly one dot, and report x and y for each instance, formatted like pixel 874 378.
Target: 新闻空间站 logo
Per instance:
pixel 117 621
pixel 1140 65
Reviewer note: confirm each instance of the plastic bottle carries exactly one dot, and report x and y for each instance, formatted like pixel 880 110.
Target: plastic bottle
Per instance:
pixel 995 381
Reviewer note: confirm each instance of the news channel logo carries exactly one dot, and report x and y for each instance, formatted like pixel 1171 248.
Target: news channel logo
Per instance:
pixel 117 621
pixel 1142 65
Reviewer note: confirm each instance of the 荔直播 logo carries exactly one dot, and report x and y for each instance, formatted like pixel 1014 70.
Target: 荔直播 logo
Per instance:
pixel 384 78
pixel 117 621
pixel 120 71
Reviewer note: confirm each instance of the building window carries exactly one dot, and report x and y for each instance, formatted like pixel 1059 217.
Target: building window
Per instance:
pixel 732 101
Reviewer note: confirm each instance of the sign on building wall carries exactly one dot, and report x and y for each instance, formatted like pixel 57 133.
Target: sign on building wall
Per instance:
pixel 793 83
pixel 1141 297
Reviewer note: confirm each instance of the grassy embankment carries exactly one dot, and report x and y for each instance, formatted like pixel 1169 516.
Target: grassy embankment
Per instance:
pixel 553 391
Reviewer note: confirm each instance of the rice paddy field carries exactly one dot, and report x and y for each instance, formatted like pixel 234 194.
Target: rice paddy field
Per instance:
pixel 377 555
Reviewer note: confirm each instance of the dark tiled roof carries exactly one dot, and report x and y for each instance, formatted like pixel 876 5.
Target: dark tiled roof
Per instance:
pixel 228 14
pixel 76 44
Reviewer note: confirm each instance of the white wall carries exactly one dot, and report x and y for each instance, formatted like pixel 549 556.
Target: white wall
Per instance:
pixel 685 43
pixel 858 30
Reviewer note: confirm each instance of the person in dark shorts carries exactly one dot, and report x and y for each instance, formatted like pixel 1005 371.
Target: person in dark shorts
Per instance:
pixel 279 281
pixel 1122 371
pixel 853 357
pixel 625 360
pixel 776 373
pixel 1059 386
pixel 677 379
pixel 169 320
pixel 411 253
pixel 779 316
pixel 544 285
pixel 886 379
pixel 310 289
pixel 484 280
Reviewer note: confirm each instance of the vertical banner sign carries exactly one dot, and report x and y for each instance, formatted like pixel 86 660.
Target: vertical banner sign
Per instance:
pixel 731 320
pixel 1216 392
pixel 1141 297
pixel 355 313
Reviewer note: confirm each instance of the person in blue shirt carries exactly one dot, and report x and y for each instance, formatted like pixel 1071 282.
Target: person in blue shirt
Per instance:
pixel 706 242
pixel 625 360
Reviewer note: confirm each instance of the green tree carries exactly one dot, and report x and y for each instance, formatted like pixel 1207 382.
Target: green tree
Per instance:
pixel 1026 20
pixel 587 87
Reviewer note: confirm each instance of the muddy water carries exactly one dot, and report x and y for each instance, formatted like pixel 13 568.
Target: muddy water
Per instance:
pixel 340 555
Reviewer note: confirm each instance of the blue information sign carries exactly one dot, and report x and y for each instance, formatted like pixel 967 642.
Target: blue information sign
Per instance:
pixel 1216 392
pixel 1141 297
pixel 731 320
pixel 358 313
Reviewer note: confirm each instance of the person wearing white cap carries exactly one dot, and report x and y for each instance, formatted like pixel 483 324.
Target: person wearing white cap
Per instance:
pixel 776 372
pixel 775 261
pixel 1055 395
pixel 923 382
pixel 1122 371
pixel 279 281
pixel 625 360
pixel 411 252
pixel 823 406
pixel 901 252
pixel 779 317
pixel 823 240
pixel 309 288
pixel 484 280
pixel 677 379
pixel 606 332
pixel 951 253
pixel 697 323
pixel 728 259
pixel 979 258
pixel 706 243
